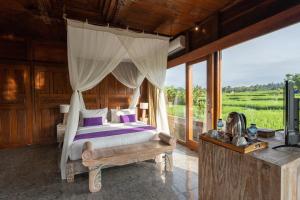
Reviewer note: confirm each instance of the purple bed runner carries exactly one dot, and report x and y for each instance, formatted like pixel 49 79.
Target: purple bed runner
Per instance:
pixel 113 132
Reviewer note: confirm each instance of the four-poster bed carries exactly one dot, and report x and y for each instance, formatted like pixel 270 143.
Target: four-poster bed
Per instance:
pixel 93 53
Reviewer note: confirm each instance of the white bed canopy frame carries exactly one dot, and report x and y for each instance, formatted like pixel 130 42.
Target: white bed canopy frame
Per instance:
pixel 96 51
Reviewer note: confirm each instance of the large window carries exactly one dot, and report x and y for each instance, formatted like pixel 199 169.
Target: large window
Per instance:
pixel 253 76
pixel 176 97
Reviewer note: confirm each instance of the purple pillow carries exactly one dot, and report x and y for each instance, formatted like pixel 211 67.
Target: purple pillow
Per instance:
pixel 92 121
pixel 127 118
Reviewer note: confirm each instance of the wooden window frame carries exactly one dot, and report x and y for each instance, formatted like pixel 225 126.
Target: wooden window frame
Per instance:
pixel 214 92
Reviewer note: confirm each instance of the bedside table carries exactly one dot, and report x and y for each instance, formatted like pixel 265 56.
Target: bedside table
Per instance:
pixel 60 131
pixel 145 120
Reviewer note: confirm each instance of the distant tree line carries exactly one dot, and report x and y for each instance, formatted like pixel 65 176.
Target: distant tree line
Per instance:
pixel 176 95
pixel 265 87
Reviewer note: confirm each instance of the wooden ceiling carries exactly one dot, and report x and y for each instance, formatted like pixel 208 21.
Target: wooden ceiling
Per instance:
pixel 43 19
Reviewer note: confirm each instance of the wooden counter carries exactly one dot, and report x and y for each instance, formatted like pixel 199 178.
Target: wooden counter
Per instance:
pixel 261 175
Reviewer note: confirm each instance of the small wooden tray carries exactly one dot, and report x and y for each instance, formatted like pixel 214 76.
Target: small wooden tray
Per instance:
pixel 243 149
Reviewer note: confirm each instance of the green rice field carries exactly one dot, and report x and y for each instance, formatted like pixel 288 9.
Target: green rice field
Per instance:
pixel 264 108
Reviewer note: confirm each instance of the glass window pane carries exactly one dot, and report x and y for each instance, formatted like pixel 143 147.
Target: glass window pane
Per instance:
pixel 254 73
pixel 175 91
pixel 199 80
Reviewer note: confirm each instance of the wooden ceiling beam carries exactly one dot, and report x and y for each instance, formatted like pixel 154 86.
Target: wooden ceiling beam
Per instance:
pixel 111 11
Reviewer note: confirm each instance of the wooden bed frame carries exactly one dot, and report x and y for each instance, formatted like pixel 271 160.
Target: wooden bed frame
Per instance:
pixel 93 160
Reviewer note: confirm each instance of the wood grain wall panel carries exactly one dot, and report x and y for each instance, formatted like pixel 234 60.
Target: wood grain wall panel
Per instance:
pixel 61 83
pixel 208 32
pixel 49 52
pixel 4 126
pixel 51 88
pixel 15 102
pixel 108 93
pixel 13 49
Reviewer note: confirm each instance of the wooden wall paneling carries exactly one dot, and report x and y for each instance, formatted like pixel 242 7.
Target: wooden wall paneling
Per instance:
pixel 15 115
pixel 52 88
pixel 13 49
pixel 108 93
pixel 144 97
pixel 92 97
pixel 103 90
pixel 49 51
pixel 118 94
pixel 208 32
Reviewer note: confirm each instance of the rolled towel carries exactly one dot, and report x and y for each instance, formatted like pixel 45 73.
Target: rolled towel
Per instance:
pixel 168 139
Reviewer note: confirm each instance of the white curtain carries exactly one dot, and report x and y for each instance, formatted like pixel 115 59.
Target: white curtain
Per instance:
pixel 92 55
pixel 153 66
pixel 129 75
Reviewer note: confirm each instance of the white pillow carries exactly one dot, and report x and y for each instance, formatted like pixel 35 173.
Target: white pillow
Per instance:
pixel 116 113
pixel 93 113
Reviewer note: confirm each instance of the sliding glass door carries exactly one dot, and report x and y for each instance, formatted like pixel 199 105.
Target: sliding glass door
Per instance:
pixel 188 94
pixel 196 81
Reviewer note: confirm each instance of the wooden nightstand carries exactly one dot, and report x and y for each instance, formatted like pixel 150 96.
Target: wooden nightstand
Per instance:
pixel 145 120
pixel 60 131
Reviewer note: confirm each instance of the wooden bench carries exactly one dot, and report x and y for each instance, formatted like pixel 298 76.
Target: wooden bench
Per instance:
pixel 95 159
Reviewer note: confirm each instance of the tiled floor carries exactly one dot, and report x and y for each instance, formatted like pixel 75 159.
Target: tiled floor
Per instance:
pixel 32 173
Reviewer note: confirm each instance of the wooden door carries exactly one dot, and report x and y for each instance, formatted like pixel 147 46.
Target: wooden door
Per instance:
pixel 15 104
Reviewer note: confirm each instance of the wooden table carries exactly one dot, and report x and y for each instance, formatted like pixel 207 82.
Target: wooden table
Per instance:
pixel 261 175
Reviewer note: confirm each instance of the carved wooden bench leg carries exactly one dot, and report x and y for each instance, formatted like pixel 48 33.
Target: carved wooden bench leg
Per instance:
pixel 169 161
pixel 70 172
pixel 158 162
pixel 95 179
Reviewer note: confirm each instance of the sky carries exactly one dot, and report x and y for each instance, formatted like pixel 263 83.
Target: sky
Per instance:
pixel 262 60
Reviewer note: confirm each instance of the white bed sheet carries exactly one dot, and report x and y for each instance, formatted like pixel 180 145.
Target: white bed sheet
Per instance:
pixel 110 141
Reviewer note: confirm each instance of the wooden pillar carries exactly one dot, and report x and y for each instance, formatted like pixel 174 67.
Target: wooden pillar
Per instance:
pixel 189 106
pixel 214 89
pixel 218 85
pixel 210 92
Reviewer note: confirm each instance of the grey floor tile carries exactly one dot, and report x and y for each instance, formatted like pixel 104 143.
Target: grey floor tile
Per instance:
pixel 32 173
